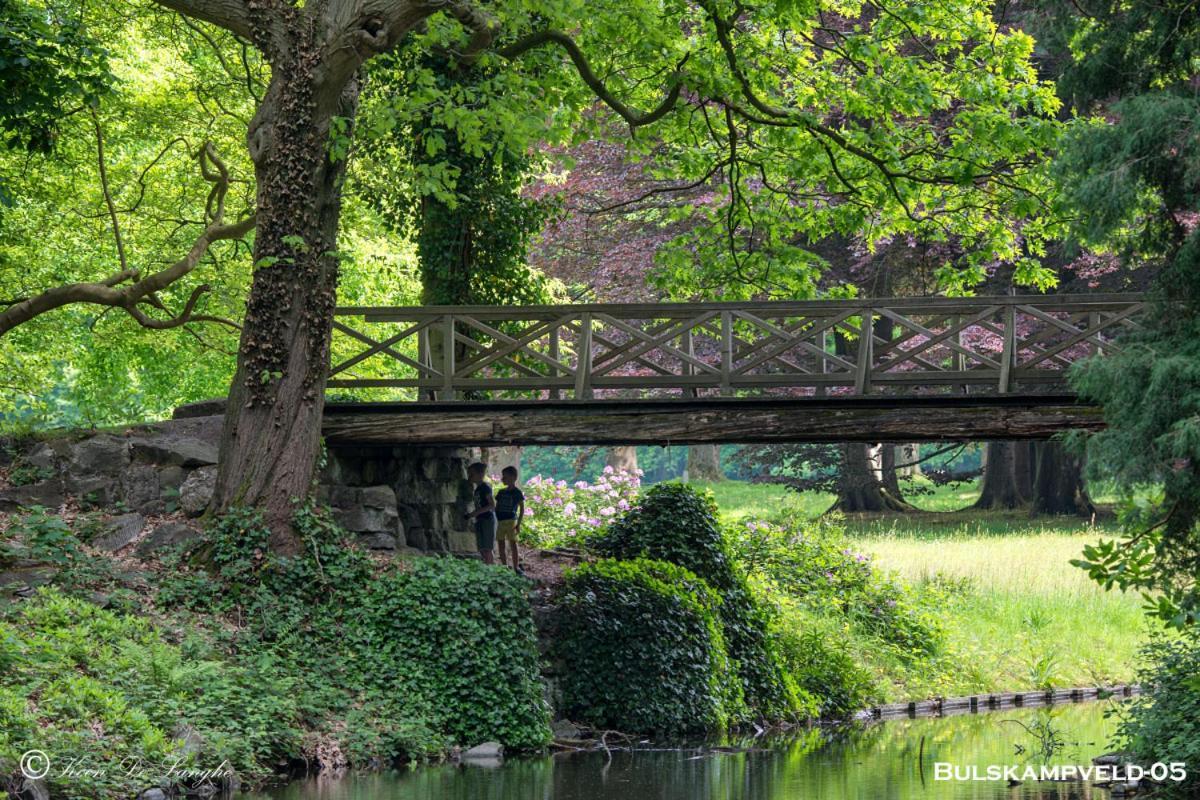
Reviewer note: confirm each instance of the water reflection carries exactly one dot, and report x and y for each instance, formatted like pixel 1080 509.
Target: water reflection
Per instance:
pixel 880 762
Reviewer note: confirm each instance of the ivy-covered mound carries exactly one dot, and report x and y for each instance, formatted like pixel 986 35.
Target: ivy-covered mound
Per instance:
pixel 676 524
pixel 329 656
pixel 406 658
pixel 641 649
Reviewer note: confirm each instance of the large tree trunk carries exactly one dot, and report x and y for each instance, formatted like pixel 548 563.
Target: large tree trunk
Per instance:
pixel 887 473
pixel 271 436
pixel 1005 476
pixel 1025 455
pixel 623 458
pixel 862 485
pixel 704 463
pixel 1059 487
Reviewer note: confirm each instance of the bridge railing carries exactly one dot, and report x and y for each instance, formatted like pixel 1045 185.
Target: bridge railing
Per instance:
pixel 980 345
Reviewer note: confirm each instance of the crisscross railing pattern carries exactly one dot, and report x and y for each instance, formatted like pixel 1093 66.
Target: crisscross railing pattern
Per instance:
pixel 981 345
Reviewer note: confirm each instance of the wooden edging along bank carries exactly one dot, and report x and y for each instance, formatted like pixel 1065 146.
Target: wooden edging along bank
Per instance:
pixel 971 704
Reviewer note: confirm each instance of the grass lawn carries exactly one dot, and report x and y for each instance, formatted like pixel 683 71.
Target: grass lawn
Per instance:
pixel 1027 618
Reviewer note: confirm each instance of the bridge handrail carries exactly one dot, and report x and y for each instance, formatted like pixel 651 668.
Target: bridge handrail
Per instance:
pixel 855 346
pixel 1061 302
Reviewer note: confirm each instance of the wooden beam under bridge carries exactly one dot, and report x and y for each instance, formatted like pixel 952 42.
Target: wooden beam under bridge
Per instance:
pixel 709 421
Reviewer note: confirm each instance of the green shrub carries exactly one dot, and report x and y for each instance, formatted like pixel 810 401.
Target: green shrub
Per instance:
pixel 460 634
pixel 47 536
pixel 327 655
pixel 23 474
pixel 1164 724
pixel 641 649
pixel 824 659
pixel 814 562
pixel 677 524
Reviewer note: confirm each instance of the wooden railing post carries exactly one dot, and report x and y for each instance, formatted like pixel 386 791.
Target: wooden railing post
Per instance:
pixel 425 359
pixel 726 353
pixel 688 346
pixel 448 347
pixel 958 362
pixel 866 349
pixel 823 362
pixel 555 394
pixel 1009 354
pixel 583 358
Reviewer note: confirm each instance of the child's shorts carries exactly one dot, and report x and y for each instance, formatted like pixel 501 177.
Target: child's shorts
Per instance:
pixel 485 532
pixel 506 530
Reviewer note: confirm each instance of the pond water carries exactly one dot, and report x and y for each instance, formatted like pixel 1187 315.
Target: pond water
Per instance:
pixel 878 762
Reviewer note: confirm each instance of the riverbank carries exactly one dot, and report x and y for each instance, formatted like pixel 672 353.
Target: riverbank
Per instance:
pixel 182 643
pixel 887 761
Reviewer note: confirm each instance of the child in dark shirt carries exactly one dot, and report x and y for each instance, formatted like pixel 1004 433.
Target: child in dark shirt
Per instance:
pixel 510 510
pixel 484 514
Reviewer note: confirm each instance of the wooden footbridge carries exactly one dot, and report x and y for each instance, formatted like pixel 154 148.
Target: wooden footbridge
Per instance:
pixel 901 369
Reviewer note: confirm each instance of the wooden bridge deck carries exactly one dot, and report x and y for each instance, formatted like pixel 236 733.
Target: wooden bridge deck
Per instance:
pixel 702 352
pixel 715 420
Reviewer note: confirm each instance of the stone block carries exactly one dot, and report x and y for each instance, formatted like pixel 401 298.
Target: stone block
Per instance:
pixel 95 491
pixel 378 541
pixel 34 789
pixel 171 478
pixel 383 497
pixel 343 496
pixel 180 451
pixel 197 490
pixel 48 494
pixel 41 456
pixel 461 542
pixel 99 455
pixel 24 580
pixel 565 729
pixel 486 750
pixel 119 532
pixel 202 408
pixel 167 535
pixel 366 520
pixel 139 486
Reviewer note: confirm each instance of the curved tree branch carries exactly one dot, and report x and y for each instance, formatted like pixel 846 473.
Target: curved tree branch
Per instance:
pixel 232 15
pixel 633 117
pixel 143 289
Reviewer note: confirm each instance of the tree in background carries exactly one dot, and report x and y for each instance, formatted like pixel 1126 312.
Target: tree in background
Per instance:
pixel 622 458
pixel 855 479
pixel 1007 481
pixel 51 68
pixel 1136 172
pixel 96 247
pixel 459 197
pixel 704 463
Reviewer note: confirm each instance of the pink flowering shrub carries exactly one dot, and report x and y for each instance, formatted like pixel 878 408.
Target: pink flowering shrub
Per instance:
pixel 558 513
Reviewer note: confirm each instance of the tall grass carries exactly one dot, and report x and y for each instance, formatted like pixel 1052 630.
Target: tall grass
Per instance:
pixel 1026 617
